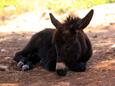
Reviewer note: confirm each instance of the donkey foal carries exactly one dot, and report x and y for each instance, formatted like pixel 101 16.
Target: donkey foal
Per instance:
pixel 65 48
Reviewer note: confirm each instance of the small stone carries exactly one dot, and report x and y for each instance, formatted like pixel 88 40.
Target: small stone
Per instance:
pixel 7 58
pixel 94 36
pixel 3 68
pixel 113 46
pixel 3 50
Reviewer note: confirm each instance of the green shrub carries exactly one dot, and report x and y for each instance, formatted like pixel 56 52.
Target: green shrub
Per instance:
pixel 20 5
pixel 64 5
pixel 59 6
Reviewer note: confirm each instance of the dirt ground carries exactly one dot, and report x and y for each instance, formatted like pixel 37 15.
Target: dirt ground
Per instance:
pixel 100 70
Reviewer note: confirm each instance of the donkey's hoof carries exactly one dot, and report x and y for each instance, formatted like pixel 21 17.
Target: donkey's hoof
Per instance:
pixel 81 67
pixel 20 64
pixel 62 72
pixel 25 67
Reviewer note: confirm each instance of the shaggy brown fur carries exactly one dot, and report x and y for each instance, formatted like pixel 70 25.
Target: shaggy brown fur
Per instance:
pixel 67 45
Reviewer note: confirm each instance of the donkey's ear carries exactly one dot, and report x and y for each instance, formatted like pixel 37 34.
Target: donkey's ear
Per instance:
pixel 86 20
pixel 54 21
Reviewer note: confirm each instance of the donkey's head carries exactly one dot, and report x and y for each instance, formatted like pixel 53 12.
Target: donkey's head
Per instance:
pixel 66 37
pixel 66 31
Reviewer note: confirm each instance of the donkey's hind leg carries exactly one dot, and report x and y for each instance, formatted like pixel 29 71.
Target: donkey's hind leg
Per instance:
pixel 31 61
pixel 23 62
pixel 21 58
pixel 25 57
pixel 23 54
pixel 27 62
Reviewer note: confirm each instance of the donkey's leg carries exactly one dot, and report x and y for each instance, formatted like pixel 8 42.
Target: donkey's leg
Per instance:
pixel 50 65
pixel 82 63
pixel 48 58
pixel 27 62
pixel 78 67
pixel 23 62
pixel 32 60
pixel 24 57
pixel 29 48
pixel 23 54
pixel 27 66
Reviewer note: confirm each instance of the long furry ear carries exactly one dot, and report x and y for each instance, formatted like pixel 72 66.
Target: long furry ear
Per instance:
pixel 54 21
pixel 86 20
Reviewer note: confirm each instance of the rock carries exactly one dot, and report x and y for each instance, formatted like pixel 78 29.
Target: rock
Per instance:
pixel 3 67
pixel 7 58
pixel 3 50
pixel 94 36
pixel 113 46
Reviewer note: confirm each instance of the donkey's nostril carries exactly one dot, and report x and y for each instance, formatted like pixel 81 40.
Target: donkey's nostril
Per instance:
pixel 62 72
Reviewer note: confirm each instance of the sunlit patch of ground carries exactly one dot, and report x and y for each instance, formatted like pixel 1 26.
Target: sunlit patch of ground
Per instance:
pixel 108 64
pixel 9 84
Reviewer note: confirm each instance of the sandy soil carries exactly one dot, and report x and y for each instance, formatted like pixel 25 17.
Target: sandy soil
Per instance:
pixel 100 71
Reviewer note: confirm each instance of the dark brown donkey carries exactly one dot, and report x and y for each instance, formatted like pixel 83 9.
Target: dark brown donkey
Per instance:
pixel 65 48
